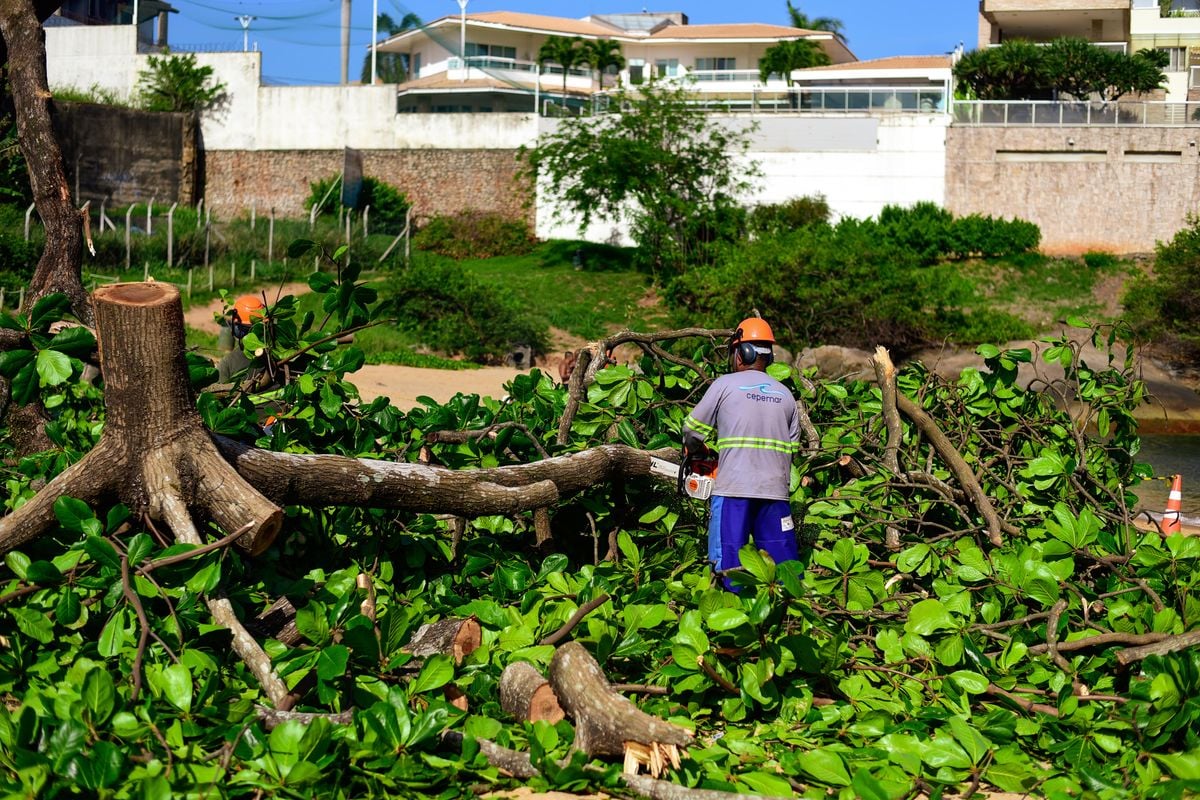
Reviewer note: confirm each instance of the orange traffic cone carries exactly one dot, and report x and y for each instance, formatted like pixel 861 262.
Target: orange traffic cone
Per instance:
pixel 1170 518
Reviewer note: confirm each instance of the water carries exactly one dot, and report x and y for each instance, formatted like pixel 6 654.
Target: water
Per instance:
pixel 1170 455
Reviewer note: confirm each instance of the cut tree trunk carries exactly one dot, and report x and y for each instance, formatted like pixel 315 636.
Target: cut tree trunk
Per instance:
pixel 457 638
pixel 525 694
pixel 154 447
pixel 607 723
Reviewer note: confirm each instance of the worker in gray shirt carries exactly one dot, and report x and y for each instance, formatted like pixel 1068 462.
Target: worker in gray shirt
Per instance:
pixel 750 419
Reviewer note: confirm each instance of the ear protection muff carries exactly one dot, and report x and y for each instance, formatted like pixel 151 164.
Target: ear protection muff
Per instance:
pixel 747 353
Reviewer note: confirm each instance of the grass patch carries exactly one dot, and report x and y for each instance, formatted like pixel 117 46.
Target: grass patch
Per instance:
pixel 1029 290
pixel 604 295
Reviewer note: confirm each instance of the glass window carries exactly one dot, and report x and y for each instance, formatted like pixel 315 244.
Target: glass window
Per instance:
pixel 667 67
pixel 716 65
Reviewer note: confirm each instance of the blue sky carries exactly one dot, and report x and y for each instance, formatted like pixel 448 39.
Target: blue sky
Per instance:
pixel 301 42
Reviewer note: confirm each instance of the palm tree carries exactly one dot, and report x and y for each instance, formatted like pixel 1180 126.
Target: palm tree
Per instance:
pixel 391 67
pixel 605 53
pixel 568 53
pixel 802 20
pixel 788 55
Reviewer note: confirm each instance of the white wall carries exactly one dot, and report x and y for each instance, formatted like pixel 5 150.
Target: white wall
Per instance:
pixel 83 56
pixel 906 164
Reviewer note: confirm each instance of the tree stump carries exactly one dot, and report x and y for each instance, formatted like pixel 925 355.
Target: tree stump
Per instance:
pixel 525 694
pixel 607 723
pixel 154 452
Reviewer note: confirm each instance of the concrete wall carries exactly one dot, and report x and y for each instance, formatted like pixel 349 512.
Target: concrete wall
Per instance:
pixel 1113 189
pixel 859 163
pixel 436 181
pixel 123 156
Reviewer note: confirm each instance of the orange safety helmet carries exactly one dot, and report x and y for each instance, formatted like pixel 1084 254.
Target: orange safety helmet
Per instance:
pixel 752 329
pixel 246 308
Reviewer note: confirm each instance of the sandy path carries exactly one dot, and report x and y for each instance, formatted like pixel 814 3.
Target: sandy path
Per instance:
pixel 402 384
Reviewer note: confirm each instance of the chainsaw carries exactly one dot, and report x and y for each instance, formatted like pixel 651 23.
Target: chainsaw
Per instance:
pixel 695 475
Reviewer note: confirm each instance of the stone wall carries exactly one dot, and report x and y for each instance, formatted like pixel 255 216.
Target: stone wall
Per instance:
pixel 122 156
pixel 436 181
pixel 1089 188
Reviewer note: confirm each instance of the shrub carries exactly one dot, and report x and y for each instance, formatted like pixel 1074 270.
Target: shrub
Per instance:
pixel 842 285
pixel 922 229
pixel 771 219
pixel 452 311
pixel 1164 307
pixel 474 234
pixel 389 205
pixel 989 237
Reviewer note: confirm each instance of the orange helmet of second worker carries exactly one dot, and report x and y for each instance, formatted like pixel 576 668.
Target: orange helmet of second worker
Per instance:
pixel 247 308
pixel 753 329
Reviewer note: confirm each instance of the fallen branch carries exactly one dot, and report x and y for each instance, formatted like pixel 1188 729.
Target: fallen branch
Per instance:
pixel 518 765
pixel 1171 644
pixel 1027 705
pixel 944 448
pixel 885 375
pixel 575 619
pixel 1100 640
pixel 605 722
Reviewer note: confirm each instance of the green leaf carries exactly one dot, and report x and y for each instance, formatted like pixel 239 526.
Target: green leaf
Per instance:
pixel 13 361
pixel 75 341
pixel 71 514
pixel 332 661
pixel 53 367
pixel 113 635
pixel 972 741
pixel 724 619
pixel 318 281
pixel 43 572
pixel 300 247
pixel 34 624
pixel 970 682
pixel 928 616
pixel 176 686
pixel 48 309
pixel 436 672
pixel 653 515
pixel 757 563
pixel 99 694
pixel 824 766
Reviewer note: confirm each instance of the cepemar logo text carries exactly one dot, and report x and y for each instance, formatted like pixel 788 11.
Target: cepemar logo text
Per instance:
pixel 762 393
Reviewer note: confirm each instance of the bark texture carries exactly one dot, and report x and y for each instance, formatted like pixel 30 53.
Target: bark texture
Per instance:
pixel 605 722
pixel 294 479
pixel 525 694
pixel 457 638
pixel 58 268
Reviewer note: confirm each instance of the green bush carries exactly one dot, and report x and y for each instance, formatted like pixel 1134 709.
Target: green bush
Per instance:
pixel 474 234
pixel 1164 307
pixel 842 285
pixel 922 229
pixel 453 312
pixel 772 219
pixel 389 205
pixel 989 237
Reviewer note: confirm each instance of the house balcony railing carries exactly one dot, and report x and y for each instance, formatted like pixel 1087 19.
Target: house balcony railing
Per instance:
pixel 809 100
pixel 1181 8
pixel 496 67
pixel 1116 47
pixel 1049 113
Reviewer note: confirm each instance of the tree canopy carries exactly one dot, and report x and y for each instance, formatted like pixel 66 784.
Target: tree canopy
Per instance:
pixel 658 158
pixel 178 83
pixel 1021 70
pixel 390 67
pixel 801 20
pixel 780 59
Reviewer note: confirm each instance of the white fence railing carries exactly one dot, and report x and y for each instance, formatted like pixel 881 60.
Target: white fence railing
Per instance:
pixel 801 99
pixel 1132 113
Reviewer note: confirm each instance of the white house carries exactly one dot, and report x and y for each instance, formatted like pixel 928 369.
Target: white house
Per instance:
pixel 500 71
